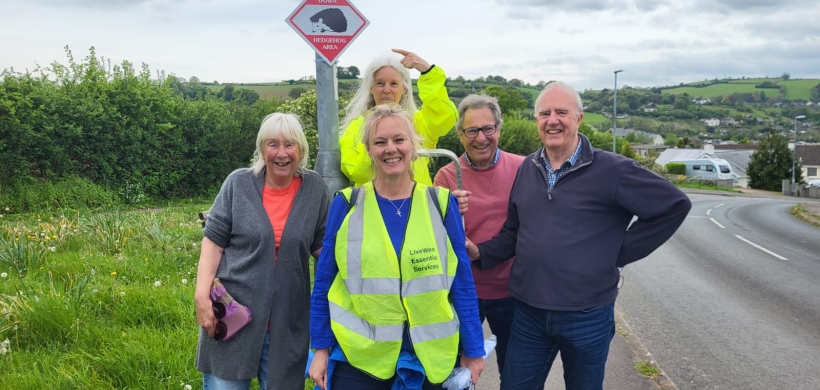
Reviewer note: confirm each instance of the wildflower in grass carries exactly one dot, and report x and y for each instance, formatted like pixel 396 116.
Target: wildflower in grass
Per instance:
pixel 184 281
pixel 3 275
pixel 113 273
pixel 7 209
pixel 157 283
pixel 122 293
pixel 93 272
pixel 187 387
pixel 52 248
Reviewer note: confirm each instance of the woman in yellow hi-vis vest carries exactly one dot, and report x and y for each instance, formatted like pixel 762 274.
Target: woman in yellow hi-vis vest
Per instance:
pixel 393 290
pixel 387 81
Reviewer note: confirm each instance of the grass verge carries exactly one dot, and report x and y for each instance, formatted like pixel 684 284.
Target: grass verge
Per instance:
pixel 100 299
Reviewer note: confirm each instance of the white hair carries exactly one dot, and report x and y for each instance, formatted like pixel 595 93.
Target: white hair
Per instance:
pixel 560 84
pixel 275 126
pixel 363 100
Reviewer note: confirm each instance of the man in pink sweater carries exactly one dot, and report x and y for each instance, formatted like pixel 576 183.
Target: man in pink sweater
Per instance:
pixel 488 173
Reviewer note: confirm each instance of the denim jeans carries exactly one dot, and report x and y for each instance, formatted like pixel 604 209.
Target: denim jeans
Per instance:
pixel 211 382
pixel 538 335
pixel 499 315
pixel 347 377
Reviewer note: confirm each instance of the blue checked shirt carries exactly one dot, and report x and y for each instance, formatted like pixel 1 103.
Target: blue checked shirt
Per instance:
pixel 554 175
pixel 495 159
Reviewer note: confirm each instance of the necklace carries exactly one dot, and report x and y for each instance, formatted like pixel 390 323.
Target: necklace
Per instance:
pixel 398 209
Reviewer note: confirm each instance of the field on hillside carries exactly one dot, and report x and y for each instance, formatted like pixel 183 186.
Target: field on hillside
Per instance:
pixel 715 90
pixel 799 89
pixel 590 117
pixel 100 299
pixel 795 89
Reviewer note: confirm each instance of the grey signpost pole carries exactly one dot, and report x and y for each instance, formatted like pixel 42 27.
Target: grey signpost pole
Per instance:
pixel 328 160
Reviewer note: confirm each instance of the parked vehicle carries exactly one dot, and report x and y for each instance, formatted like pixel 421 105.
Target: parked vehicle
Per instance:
pixel 813 183
pixel 708 168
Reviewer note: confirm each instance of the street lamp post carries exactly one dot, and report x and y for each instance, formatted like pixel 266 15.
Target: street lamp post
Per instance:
pixel 794 151
pixel 615 110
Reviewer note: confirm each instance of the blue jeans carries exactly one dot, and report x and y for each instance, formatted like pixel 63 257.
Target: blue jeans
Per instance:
pixel 499 315
pixel 211 382
pixel 538 335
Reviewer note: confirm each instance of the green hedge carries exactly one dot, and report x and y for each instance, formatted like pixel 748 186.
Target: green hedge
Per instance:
pixel 119 129
pixel 675 168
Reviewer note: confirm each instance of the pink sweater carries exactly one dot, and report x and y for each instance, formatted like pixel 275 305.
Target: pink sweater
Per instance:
pixel 487 211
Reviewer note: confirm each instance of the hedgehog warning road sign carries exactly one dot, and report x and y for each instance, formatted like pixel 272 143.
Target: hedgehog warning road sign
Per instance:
pixel 329 26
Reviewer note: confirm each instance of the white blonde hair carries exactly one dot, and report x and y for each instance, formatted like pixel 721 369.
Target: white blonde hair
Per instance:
pixel 363 100
pixel 376 115
pixel 275 126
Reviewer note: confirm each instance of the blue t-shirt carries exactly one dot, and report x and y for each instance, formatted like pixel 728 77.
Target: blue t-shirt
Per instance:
pixel 462 292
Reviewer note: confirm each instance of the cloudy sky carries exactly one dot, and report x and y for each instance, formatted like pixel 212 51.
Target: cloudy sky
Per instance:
pixel 657 43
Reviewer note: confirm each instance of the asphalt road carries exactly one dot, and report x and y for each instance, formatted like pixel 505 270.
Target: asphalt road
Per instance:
pixel 732 301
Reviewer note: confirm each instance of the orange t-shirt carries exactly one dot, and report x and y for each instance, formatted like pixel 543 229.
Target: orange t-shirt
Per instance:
pixel 277 204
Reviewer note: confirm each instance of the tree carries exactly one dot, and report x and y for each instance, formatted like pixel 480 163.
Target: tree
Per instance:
pixel 353 72
pixel 291 81
pixel 509 99
pixel 771 163
pixel 296 92
pixel 785 76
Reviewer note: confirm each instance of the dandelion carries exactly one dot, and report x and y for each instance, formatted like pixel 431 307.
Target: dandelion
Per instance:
pixel 113 273
pixel 4 275
pixel 122 293
pixel 187 387
pixel 52 248
pixel 93 272
pixel 94 291
pixel 184 281
pixel 3 351
pixel 157 283
pixel 42 234
pixel 7 209
pixel 54 236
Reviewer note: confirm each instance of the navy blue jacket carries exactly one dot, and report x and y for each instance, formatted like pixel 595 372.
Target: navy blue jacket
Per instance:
pixel 569 241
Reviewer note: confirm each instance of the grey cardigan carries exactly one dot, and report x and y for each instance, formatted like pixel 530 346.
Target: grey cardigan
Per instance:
pixel 237 222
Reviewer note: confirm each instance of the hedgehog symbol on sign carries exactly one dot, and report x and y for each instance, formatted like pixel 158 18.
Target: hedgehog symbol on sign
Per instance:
pixel 329 20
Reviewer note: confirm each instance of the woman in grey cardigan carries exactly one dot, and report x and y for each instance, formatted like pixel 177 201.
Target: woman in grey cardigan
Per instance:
pixel 264 225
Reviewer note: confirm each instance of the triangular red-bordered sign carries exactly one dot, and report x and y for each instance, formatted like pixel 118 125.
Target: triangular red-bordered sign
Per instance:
pixel 329 26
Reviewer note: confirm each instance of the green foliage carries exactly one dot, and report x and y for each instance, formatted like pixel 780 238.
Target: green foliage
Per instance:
pixel 519 135
pixel 88 319
pixel 771 163
pixel 675 168
pixel 627 151
pixel 68 192
pixel 110 229
pixel 305 107
pixel 296 92
pixel 21 253
pixel 509 99
pixel 116 127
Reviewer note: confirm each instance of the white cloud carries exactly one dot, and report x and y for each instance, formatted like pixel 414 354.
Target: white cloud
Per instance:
pixel 581 42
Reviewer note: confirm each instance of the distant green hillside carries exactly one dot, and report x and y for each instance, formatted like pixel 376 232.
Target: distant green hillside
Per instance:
pixel 795 89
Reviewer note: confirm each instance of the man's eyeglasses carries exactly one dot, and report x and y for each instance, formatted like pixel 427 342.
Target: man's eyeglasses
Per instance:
pixel 472 132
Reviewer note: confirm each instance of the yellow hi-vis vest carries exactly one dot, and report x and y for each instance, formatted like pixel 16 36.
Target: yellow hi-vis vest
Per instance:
pixel 375 294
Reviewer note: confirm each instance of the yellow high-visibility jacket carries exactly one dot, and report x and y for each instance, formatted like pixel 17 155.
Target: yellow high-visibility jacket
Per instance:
pixel 375 293
pixel 436 117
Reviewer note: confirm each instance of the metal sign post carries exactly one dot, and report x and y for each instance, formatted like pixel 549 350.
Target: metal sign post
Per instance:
pixel 328 26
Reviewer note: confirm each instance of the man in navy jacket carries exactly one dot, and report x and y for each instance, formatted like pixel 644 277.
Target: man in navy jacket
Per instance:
pixel 567 221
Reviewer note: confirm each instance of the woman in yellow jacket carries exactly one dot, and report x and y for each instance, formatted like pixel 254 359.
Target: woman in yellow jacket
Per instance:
pixel 387 80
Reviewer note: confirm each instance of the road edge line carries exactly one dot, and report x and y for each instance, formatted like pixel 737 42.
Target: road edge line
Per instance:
pixel 639 351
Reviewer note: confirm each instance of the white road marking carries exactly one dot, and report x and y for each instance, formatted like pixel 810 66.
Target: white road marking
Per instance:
pixel 717 223
pixel 761 248
pixel 719 205
pixel 709 212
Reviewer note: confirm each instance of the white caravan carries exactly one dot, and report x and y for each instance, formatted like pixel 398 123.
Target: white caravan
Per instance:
pixel 708 168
